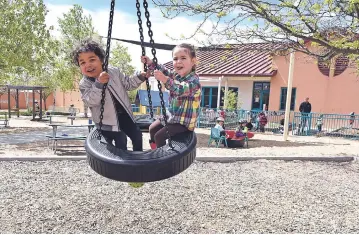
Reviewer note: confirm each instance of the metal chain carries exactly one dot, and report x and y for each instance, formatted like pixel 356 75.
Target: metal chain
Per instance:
pixel 140 29
pixel 105 64
pixel 153 50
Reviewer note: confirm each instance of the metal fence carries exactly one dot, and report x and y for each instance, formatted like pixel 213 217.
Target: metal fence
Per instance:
pixel 320 124
pixel 339 125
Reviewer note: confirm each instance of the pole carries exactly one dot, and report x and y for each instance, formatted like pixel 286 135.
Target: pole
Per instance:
pixel 40 114
pixel 8 101
pixel 289 95
pixel 33 104
pixel 17 103
pixel 219 92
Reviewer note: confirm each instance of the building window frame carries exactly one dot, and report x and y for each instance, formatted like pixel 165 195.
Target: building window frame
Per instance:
pixel 283 98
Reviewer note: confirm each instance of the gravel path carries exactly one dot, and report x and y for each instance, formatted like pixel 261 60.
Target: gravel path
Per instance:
pixel 14 142
pixel 35 143
pixel 23 136
pixel 243 197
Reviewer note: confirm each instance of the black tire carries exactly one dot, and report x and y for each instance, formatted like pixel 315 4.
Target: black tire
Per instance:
pixel 148 166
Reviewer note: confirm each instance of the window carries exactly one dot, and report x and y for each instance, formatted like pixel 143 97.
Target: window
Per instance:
pixel 283 98
pixel 210 96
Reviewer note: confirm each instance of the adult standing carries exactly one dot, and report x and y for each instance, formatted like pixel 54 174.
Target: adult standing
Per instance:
pixel 305 108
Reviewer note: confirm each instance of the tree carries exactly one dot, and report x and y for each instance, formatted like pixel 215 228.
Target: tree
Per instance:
pixel 331 26
pixel 232 100
pixel 23 35
pixel 45 94
pixel 3 91
pixel 120 58
pixel 74 26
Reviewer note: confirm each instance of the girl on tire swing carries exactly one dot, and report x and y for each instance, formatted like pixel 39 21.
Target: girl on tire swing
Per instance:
pixel 185 94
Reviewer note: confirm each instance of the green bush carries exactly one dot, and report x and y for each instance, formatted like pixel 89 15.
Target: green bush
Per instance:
pixel 26 113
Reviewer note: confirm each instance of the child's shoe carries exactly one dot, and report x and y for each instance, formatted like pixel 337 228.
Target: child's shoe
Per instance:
pixel 153 144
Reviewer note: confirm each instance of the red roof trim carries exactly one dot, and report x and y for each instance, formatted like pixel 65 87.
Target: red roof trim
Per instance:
pixel 273 73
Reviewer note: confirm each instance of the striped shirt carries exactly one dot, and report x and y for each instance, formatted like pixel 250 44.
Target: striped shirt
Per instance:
pixel 184 99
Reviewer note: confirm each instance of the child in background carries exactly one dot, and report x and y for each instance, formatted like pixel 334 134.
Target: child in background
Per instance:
pixel 319 123
pixel 242 129
pixel 262 119
pixel 220 126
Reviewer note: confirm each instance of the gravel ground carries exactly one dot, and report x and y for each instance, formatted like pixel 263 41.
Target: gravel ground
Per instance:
pixel 243 197
pixel 260 145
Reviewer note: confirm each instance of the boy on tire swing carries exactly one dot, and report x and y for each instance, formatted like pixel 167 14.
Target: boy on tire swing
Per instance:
pixel 118 120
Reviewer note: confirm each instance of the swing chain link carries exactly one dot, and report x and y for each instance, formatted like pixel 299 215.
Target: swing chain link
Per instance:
pixel 154 60
pixel 140 29
pixel 105 65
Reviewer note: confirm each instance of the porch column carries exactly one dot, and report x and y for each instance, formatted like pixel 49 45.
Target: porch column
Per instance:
pixel 239 99
pixel 225 93
pixel 219 92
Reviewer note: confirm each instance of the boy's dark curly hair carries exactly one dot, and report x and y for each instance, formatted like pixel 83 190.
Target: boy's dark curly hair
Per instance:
pixel 87 45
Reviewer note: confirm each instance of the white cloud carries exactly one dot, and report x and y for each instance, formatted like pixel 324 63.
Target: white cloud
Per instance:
pixel 125 26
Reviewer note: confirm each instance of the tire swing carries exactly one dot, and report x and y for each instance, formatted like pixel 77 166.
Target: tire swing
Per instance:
pixel 134 166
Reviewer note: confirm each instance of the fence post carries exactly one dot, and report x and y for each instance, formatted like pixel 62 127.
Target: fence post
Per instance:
pixel 309 124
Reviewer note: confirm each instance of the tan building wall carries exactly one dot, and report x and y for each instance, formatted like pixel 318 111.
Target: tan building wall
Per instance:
pixel 339 94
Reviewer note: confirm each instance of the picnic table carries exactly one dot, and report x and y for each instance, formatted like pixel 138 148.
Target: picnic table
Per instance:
pixel 54 137
pixel 71 118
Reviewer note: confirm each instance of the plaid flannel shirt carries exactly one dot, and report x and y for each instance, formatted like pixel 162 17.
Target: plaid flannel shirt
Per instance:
pixel 185 97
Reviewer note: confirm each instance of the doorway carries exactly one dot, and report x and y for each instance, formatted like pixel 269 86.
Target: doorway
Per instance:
pixel 260 95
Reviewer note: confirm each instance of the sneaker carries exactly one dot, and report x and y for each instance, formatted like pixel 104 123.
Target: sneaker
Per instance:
pixel 152 144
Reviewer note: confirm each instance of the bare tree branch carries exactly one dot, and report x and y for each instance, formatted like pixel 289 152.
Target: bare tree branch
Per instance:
pixel 332 27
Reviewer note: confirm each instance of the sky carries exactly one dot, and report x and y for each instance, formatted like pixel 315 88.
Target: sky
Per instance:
pixel 125 25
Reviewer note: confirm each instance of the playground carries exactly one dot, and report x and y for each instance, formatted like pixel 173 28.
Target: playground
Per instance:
pixel 66 170
pixel 226 190
pixel 26 137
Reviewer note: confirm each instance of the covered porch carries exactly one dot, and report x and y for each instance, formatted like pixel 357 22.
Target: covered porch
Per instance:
pixel 252 92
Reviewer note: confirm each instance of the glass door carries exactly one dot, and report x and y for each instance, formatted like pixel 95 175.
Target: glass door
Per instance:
pixel 265 99
pixel 260 95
